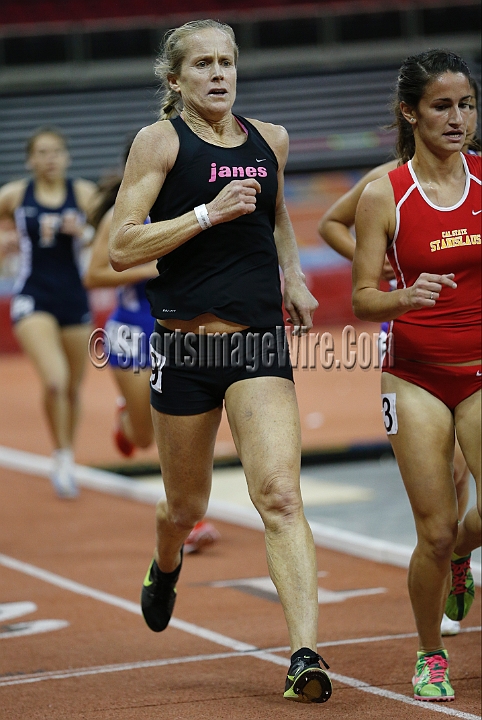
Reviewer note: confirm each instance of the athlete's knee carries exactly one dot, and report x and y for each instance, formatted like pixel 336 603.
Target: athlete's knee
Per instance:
pixel 438 539
pixel 278 497
pixel 182 513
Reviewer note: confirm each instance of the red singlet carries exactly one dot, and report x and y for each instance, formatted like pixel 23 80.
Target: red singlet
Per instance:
pixel 438 240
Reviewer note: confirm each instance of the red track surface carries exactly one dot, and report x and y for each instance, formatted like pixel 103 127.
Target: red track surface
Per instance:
pixel 104 543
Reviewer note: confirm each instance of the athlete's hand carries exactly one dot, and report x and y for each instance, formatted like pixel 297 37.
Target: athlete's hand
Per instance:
pixel 235 199
pixel 72 224
pixel 427 288
pixel 300 305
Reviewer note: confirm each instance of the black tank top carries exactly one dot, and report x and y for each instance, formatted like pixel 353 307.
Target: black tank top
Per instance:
pixel 230 270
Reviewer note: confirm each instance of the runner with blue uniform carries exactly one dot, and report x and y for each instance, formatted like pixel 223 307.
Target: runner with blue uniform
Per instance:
pixel 129 327
pixel 127 330
pixel 127 333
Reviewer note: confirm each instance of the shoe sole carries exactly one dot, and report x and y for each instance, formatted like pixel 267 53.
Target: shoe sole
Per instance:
pixel 313 686
pixel 461 610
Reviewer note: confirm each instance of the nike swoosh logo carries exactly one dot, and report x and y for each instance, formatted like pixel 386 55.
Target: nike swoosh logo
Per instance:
pixel 476 212
pixel 260 160
pixel 147 580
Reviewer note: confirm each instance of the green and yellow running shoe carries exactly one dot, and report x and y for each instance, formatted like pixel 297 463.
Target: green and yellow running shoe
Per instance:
pixel 431 680
pixel 158 596
pixel 306 681
pixel 462 592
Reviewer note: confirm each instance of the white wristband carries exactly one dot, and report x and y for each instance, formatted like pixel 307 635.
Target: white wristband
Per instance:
pixel 203 217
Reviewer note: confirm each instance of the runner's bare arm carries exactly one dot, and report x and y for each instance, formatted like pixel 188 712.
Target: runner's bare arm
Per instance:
pixel 299 302
pixel 375 226
pixel 334 226
pixel 151 157
pixel 85 192
pixel 100 272
pixel 10 198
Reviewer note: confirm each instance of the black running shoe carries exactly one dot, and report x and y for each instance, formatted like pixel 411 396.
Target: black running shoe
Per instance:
pixel 306 681
pixel 158 596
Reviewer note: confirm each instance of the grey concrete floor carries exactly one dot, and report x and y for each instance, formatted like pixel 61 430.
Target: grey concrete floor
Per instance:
pixel 385 513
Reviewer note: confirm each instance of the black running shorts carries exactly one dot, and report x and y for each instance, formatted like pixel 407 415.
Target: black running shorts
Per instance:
pixel 191 373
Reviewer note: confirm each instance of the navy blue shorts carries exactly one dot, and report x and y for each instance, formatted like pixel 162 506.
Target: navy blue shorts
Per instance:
pixel 67 313
pixel 191 373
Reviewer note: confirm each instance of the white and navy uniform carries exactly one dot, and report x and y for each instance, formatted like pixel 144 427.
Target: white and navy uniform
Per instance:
pixel 49 275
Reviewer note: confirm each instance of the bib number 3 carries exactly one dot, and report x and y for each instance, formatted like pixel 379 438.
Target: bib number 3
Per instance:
pixel 389 409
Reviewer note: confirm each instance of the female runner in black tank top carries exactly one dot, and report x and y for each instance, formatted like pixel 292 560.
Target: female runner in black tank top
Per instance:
pixel 212 184
pixel 50 310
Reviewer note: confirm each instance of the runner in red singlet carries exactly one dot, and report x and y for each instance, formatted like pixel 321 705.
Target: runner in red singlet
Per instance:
pixel 426 213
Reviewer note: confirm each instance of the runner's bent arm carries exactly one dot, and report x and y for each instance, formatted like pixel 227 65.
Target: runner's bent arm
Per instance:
pixel 151 157
pixel 10 198
pixel 334 226
pixel 100 272
pixel 375 225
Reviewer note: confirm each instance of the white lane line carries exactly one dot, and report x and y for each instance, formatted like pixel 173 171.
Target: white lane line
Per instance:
pixel 240 647
pixel 109 599
pixel 100 480
pixel 369 548
pixel 32 627
pixel 435 707
pixel 375 638
pixel 12 610
pixel 100 669
pixel 122 667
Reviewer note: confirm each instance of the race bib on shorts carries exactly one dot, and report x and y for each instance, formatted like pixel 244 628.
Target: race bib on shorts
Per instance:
pixel 389 410
pixel 21 306
pixel 157 363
